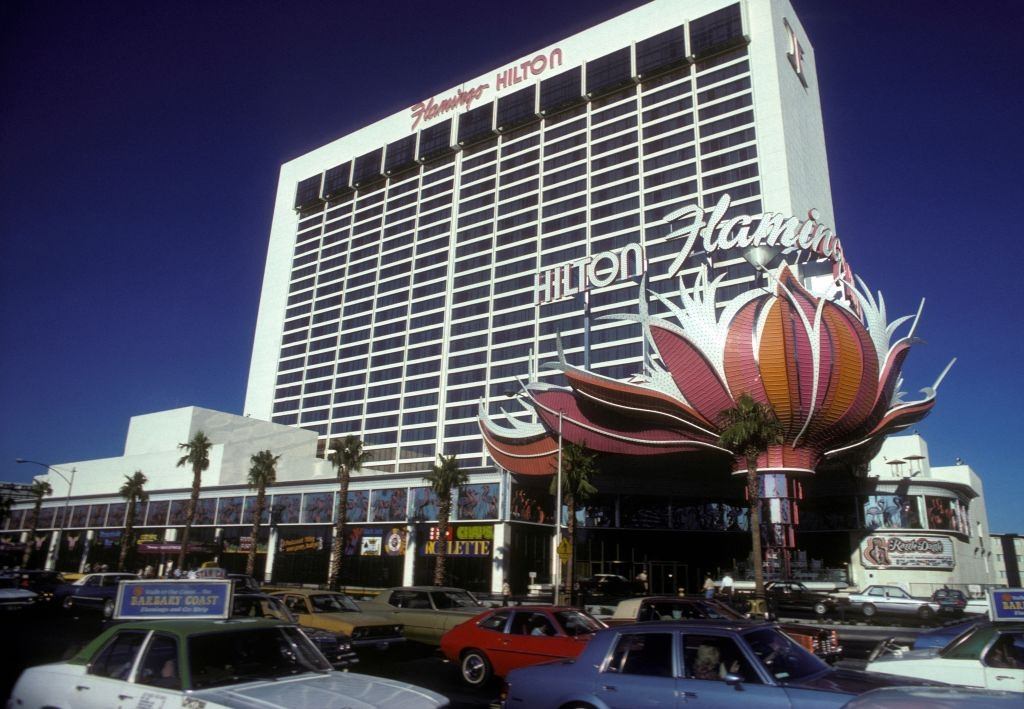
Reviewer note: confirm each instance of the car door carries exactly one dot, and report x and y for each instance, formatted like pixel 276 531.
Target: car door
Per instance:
pixel 105 682
pixel 418 615
pixel 532 637
pixel 640 672
pixel 1004 662
pixel 707 659
pixel 88 594
pixel 158 676
pixel 898 601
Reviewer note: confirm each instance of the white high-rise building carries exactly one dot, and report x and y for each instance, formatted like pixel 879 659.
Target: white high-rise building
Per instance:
pixel 422 263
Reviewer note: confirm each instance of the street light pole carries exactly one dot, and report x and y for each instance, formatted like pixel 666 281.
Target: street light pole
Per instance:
pixel 67 499
pixel 558 517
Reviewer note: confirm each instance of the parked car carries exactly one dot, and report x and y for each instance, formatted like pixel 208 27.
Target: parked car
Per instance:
pixel 337 613
pixel 14 597
pixel 703 663
pixel 934 698
pixel 823 642
pixel 210 664
pixel 795 596
pixel 426 612
pixel 952 601
pixel 602 585
pixel 92 591
pixel 887 600
pixel 42 583
pixel 989 655
pixel 502 639
pixel 336 647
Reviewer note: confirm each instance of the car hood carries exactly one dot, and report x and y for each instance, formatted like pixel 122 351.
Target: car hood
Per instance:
pixel 855 681
pixel 924 653
pixel 359 619
pixel 16 593
pixel 335 689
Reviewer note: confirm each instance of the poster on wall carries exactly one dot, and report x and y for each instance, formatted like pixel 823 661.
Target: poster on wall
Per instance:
pixel 79 516
pixel 388 505
pixel 478 501
pixel 291 545
pixel 362 541
pixel 892 512
pixel 530 504
pixel 179 512
pixel 370 546
pixel 942 513
pixel 249 510
pixel 288 508
pixel 116 513
pixel 890 551
pixel 229 510
pixel 358 506
pixel 46 517
pixel 97 515
pixel 157 514
pixel 423 504
pixel 206 510
pixel 317 507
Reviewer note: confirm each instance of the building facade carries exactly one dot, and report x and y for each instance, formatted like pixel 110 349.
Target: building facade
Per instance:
pixel 421 268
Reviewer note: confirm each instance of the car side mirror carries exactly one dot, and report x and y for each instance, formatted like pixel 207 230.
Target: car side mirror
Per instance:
pixel 733 680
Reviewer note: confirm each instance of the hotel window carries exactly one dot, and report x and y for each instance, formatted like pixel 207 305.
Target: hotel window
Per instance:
pixel 307 193
pixel 516 108
pixel 716 32
pixel 401 154
pixel 476 123
pixel 367 169
pixel 561 91
pixel 609 72
pixel 662 51
pixel 336 180
pixel 435 141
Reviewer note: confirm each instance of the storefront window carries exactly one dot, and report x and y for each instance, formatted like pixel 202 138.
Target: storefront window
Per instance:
pixel 478 501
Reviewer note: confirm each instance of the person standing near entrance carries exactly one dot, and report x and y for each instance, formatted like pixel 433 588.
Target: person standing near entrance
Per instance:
pixel 641 581
pixel 709 587
pixel 727 585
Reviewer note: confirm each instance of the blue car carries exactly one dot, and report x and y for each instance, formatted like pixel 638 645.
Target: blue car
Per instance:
pixel 942 636
pixel 696 663
pixel 93 591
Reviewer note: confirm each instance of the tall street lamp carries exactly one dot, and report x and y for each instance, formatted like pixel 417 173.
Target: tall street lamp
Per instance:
pixel 67 499
pixel 556 576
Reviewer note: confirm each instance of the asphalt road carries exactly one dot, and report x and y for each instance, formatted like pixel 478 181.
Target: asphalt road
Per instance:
pixel 32 639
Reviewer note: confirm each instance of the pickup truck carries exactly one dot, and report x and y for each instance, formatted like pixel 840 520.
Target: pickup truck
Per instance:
pixel 887 600
pixel 821 641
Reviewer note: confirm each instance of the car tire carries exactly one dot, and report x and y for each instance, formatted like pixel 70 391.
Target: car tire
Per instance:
pixel 820 609
pixel 869 610
pixel 108 609
pixel 67 604
pixel 475 668
pixel 925 613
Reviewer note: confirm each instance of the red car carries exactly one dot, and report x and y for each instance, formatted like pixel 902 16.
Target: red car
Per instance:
pixel 502 639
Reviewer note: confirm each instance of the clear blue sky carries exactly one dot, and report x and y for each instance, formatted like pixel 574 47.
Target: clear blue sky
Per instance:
pixel 140 145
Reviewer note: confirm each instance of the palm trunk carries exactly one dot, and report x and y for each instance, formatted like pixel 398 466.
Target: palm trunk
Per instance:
pixel 754 493
pixel 129 524
pixel 338 543
pixel 444 513
pixel 190 515
pixel 570 534
pixel 30 545
pixel 261 499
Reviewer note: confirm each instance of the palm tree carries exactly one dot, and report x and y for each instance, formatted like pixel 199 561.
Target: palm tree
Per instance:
pixel 197 456
pixel 348 456
pixel 133 492
pixel 577 469
pixel 748 429
pixel 262 472
pixel 442 478
pixel 39 490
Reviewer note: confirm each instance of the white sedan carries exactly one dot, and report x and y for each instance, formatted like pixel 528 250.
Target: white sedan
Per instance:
pixel 989 655
pixel 205 664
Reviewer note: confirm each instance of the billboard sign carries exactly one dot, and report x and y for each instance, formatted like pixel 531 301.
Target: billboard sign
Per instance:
pixel 208 599
pixel 892 551
pixel 1006 604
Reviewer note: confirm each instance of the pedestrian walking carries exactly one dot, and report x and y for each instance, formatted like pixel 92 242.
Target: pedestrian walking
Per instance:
pixel 709 587
pixel 727 585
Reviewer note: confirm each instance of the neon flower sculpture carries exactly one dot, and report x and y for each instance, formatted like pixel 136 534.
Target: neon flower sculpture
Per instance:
pixel 829 369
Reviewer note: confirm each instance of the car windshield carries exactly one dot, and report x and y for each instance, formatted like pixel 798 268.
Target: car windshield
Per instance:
pixel 333 603
pixel 968 645
pixel 577 623
pixel 261 607
pixel 251 654
pixel 784 659
pixel 454 599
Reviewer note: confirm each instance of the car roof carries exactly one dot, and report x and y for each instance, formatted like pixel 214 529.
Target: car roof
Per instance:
pixel 304 591
pixel 425 588
pixel 691 625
